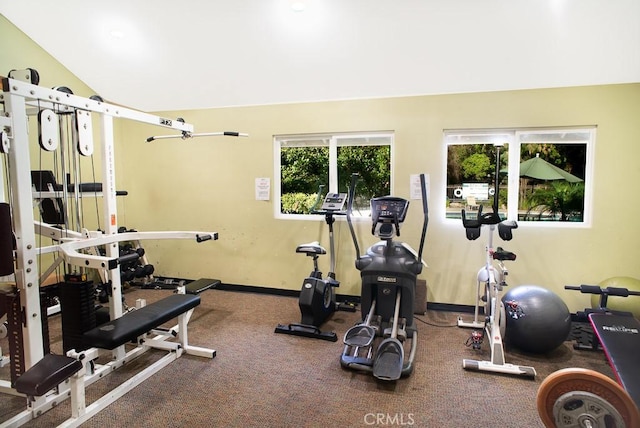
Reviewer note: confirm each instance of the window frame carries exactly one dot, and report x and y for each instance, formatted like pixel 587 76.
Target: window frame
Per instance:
pixel 515 141
pixel 334 140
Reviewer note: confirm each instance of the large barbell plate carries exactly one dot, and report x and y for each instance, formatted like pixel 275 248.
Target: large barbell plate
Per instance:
pixel 576 397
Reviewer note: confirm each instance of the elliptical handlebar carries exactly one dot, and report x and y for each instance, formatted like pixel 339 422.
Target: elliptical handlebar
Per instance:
pixel 425 211
pixel 352 190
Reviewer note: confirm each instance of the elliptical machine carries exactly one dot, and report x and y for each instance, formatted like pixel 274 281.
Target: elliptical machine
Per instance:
pixel 389 271
pixel 317 298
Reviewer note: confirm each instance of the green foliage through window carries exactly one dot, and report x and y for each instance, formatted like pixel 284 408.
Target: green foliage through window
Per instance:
pixel 552 171
pixel 309 162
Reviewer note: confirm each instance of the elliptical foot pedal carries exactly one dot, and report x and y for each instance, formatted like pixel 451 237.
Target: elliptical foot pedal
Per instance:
pixel 389 360
pixel 360 335
pixel 200 285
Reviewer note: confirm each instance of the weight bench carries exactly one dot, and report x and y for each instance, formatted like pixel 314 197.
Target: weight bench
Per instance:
pixel 68 376
pixel 133 324
pixel 200 285
pixel 619 336
pixel 53 369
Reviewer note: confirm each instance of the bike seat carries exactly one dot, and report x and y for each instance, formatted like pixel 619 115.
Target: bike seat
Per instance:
pixel 502 254
pixel 310 249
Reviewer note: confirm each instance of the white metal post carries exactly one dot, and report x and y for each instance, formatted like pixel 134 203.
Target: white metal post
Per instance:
pixel 5 126
pixel 27 279
pixel 111 219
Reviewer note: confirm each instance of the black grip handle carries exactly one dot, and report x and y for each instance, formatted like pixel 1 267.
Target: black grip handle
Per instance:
pixel 620 291
pixel 610 291
pixel 585 289
pixel 202 238
pixel 231 133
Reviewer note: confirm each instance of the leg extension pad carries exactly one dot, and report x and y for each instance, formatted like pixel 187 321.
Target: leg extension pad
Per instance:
pixel 46 374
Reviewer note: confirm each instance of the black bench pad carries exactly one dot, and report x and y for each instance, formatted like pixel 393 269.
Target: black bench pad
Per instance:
pixel 46 374
pixel 200 285
pixel 620 339
pixel 135 323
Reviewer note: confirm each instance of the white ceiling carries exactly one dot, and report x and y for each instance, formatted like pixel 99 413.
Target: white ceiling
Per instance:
pixel 193 54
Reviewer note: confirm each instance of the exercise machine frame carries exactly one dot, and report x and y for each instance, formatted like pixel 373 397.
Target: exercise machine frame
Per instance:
pixel 20 99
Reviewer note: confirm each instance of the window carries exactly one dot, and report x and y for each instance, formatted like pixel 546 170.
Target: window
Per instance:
pixel 544 175
pixel 307 162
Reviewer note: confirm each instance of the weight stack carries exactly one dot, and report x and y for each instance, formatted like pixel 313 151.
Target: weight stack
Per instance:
pixel 77 309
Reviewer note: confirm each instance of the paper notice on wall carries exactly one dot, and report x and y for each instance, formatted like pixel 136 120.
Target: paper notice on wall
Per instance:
pixel 414 186
pixel 263 187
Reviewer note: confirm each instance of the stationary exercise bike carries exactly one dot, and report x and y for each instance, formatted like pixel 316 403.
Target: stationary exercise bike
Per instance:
pixel 389 271
pixel 492 278
pixel 317 298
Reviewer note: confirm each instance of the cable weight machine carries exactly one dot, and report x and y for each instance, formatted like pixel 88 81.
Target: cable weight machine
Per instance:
pixel 21 97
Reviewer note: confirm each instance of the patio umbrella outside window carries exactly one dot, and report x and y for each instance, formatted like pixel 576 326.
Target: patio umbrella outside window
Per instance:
pixel 561 202
pixel 540 169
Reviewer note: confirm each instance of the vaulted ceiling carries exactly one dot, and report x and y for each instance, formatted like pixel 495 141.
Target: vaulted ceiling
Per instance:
pixel 167 55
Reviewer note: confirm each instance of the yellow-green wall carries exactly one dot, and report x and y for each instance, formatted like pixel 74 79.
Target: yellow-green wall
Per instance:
pixel 18 52
pixel 208 184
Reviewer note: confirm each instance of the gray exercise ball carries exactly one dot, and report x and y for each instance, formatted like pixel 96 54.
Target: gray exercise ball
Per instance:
pixel 537 320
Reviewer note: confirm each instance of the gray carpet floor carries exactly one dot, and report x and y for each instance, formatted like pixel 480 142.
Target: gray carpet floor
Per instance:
pixel 262 379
